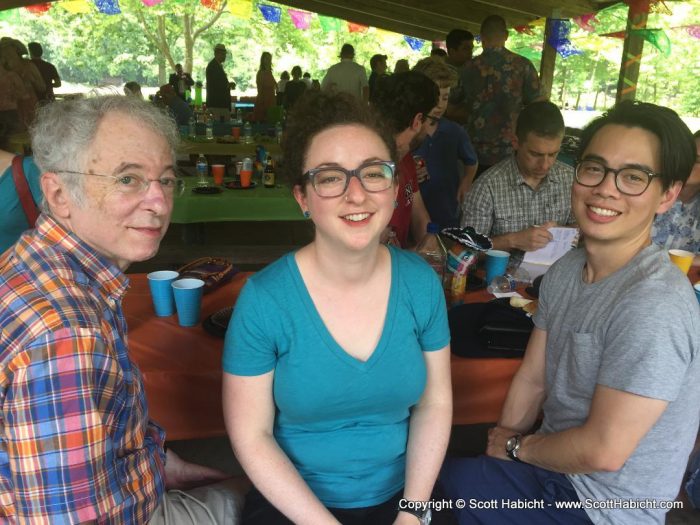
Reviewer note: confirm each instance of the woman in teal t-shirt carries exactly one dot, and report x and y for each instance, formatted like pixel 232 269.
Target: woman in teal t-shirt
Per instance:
pixel 337 393
pixel 13 220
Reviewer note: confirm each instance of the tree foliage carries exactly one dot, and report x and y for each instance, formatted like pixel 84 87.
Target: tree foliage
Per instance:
pixel 143 43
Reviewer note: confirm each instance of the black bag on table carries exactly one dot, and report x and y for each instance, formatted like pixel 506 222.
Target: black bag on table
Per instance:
pixel 492 329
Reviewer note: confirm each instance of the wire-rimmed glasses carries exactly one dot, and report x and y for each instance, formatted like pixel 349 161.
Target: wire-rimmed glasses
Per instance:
pixel 134 184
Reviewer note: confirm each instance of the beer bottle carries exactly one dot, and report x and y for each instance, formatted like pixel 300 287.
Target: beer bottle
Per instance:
pixel 269 174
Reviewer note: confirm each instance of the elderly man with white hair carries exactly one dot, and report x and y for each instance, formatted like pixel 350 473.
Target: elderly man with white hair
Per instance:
pixel 76 442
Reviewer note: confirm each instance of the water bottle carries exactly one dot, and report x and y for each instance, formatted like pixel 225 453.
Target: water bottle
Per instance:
pixel 278 132
pixel 247 133
pixel 508 283
pixel 501 284
pixel 192 124
pixel 432 249
pixel 210 127
pixel 202 169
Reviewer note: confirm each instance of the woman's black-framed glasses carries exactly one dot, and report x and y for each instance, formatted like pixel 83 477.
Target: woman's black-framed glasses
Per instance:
pixel 333 181
pixel 628 181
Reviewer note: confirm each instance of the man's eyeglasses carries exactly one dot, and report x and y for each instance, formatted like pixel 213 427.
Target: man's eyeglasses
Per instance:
pixel 133 184
pixel 374 176
pixel 629 181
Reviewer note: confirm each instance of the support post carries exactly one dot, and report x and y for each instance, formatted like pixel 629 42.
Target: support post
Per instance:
pixel 632 50
pixel 548 62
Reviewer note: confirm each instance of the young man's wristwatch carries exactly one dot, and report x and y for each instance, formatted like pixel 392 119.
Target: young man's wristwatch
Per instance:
pixel 513 447
pixel 424 517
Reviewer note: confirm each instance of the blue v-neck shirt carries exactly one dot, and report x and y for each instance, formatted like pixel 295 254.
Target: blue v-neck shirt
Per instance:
pixel 342 422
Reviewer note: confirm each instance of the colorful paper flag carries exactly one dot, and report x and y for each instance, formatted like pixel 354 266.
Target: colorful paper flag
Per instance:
pixel 241 8
pixel 616 34
pixel 416 44
pixel 76 6
pixel 693 31
pixel 151 3
pixel 38 9
pixel 108 7
pixel 585 21
pixel 300 19
pixel 10 15
pixel 657 38
pixel 271 13
pixel 558 38
pixel 524 30
pixel 214 5
pixel 354 27
pixel 328 23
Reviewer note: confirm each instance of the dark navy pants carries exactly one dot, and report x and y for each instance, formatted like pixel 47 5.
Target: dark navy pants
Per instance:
pixel 495 492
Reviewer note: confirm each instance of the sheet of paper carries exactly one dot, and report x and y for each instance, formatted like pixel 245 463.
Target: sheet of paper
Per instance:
pixel 534 270
pixel 561 243
pixel 498 295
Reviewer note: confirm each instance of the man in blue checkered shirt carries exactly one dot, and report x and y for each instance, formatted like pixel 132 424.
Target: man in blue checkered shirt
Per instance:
pixel 518 199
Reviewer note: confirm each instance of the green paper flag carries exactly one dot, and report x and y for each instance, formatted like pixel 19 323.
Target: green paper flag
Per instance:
pixel 657 38
pixel 10 15
pixel 328 23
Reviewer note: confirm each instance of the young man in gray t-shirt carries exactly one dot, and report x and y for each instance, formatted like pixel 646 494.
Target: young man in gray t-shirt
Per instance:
pixel 613 363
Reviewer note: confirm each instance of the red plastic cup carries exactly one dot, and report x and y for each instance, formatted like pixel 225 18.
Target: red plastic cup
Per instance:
pixel 246 175
pixel 218 170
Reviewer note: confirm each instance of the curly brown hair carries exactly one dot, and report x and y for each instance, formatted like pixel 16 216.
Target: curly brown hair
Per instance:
pixel 317 111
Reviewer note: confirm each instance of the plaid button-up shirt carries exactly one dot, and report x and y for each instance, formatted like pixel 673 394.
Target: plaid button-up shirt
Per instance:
pixel 500 201
pixel 76 443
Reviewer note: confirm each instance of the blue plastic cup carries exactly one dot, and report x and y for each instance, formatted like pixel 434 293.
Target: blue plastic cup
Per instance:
pixel 162 292
pixel 697 291
pixel 496 264
pixel 188 300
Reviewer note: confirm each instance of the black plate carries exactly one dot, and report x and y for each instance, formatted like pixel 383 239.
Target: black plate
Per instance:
pixel 236 185
pixel 206 190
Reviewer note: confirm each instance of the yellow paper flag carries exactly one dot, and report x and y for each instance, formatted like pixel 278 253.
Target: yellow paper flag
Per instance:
pixel 76 6
pixel 241 8
pixel 385 34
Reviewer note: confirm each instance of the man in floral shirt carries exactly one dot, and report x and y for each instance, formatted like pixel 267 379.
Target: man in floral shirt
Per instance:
pixel 496 86
pixel 679 227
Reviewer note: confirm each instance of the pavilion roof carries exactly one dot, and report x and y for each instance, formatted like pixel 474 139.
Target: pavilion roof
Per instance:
pixel 428 19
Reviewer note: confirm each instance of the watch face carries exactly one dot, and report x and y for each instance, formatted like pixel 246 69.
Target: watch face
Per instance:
pixel 427 517
pixel 511 443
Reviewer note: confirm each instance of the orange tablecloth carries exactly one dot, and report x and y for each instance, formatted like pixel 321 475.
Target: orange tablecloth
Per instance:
pixel 181 367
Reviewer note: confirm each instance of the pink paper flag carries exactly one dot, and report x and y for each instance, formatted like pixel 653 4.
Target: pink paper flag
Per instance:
pixel 300 19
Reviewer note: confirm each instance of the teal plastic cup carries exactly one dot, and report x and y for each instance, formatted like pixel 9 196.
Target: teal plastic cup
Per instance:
pixel 162 292
pixel 496 264
pixel 188 300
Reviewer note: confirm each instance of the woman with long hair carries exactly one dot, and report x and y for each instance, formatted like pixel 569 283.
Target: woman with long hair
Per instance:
pixel 267 88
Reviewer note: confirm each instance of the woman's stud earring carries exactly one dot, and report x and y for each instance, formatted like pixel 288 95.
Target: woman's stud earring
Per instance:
pixel 307 214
